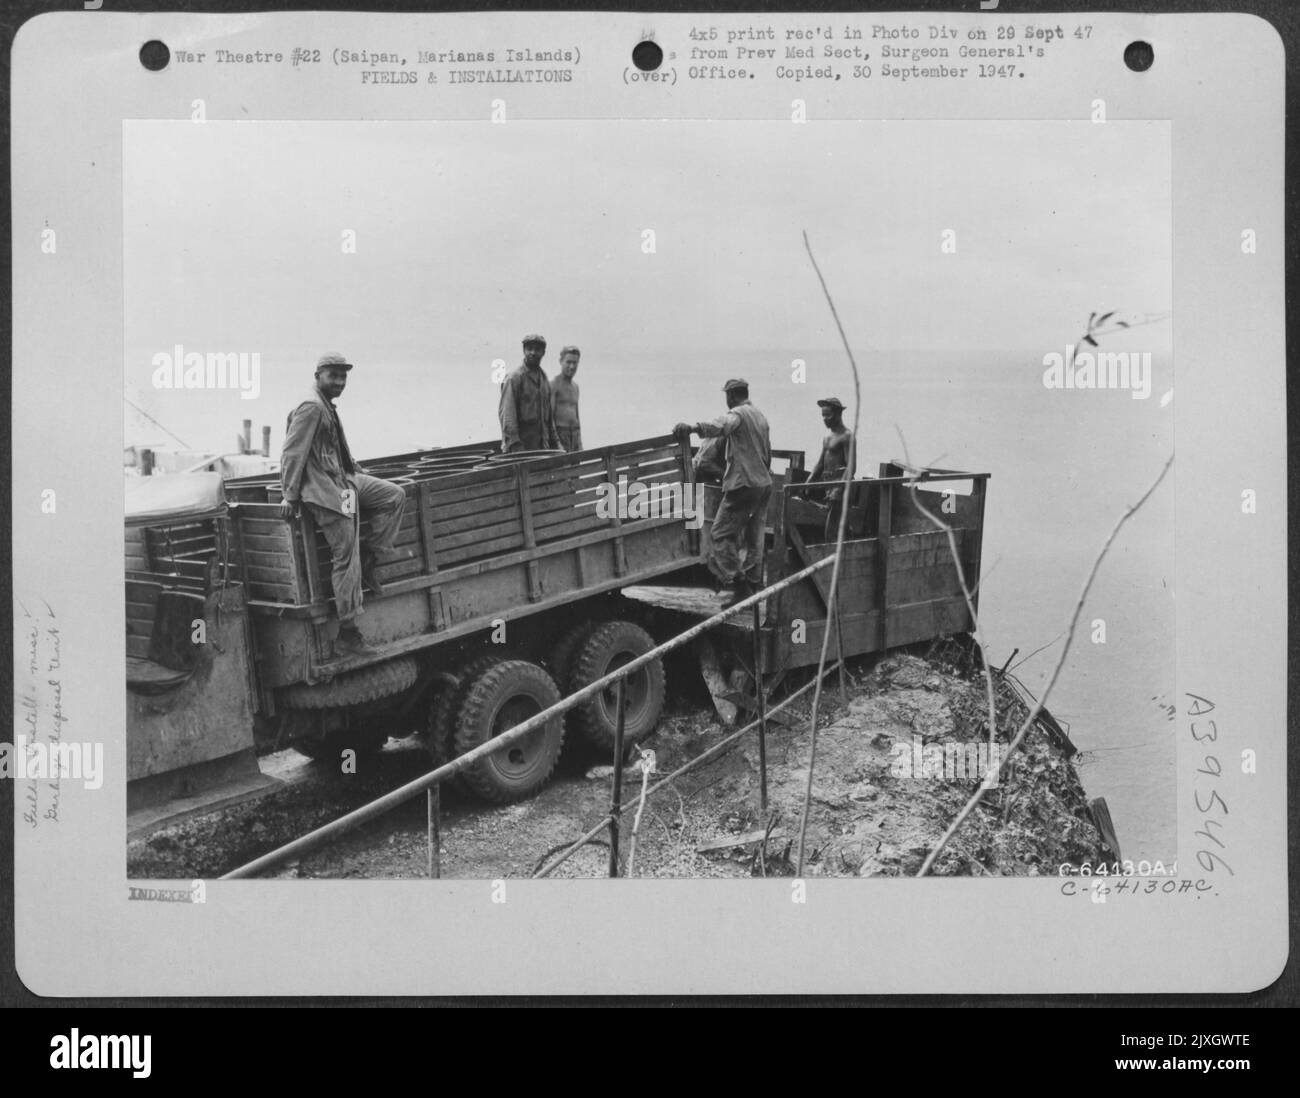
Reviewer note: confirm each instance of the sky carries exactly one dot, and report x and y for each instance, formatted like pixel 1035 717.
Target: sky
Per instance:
pixel 469 234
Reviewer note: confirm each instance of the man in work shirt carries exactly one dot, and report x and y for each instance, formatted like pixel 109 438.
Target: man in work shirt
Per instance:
pixel 317 472
pixel 710 461
pixel 564 401
pixel 527 422
pixel 838 454
pixel 746 486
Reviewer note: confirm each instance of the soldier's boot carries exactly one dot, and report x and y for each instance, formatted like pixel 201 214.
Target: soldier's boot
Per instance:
pixel 350 642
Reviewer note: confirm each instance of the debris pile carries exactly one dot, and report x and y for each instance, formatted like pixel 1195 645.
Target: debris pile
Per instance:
pixel 894 768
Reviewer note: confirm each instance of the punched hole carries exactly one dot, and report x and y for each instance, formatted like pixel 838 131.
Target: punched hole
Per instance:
pixel 154 55
pixel 1139 56
pixel 647 56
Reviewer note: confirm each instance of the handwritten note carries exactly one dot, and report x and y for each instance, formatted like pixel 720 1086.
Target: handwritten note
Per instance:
pixel 40 700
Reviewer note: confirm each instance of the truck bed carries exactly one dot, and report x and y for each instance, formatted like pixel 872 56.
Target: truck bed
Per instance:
pixel 494 543
pixel 898 581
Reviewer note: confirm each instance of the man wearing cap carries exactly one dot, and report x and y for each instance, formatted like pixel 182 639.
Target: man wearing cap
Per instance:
pixel 317 472
pixel 564 401
pixel 746 486
pixel 527 422
pixel 837 455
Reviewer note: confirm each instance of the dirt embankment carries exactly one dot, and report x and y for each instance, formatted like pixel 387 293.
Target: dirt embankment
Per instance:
pixel 895 764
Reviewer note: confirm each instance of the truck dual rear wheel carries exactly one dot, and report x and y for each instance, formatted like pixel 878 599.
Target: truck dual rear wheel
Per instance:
pixel 440 729
pixel 607 648
pixel 559 659
pixel 504 695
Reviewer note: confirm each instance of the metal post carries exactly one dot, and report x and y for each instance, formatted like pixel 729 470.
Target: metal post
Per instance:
pixel 433 833
pixel 618 780
pixel 762 715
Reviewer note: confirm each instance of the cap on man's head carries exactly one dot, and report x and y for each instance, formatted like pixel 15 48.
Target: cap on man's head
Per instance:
pixel 832 402
pixel 736 383
pixel 534 339
pixel 332 360
pixel 570 349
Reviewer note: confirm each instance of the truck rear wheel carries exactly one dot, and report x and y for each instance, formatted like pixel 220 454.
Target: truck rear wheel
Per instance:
pixel 440 728
pixel 503 696
pixel 559 660
pixel 608 648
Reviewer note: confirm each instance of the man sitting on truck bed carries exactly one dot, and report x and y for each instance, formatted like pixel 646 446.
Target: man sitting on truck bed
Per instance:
pixel 317 471
pixel 746 486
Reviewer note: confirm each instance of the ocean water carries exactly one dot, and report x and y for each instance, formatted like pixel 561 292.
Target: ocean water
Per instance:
pixel 1065 464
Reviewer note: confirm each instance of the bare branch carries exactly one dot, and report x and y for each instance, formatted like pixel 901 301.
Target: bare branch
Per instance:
pixel 831 599
pixel 647 764
pixel 1040 648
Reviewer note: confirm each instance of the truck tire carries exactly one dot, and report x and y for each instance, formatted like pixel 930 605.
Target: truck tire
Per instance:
pixel 440 726
pixel 608 648
pixel 501 697
pixel 559 660
pixel 354 688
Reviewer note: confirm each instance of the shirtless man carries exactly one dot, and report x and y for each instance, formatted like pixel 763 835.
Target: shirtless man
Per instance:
pixel 564 401
pixel 838 452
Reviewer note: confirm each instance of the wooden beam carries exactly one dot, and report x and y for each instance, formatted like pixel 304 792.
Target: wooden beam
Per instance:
pixel 739 840
pixel 530 536
pixel 418 641
pixel 821 581
pixel 883 531
pixel 428 531
pixel 620 555
pixel 448 574
pixel 307 538
pixel 776 559
pixel 978 489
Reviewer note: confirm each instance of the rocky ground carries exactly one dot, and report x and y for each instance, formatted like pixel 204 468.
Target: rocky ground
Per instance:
pixel 869 816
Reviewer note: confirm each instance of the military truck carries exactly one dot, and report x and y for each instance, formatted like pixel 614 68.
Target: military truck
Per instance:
pixel 515 580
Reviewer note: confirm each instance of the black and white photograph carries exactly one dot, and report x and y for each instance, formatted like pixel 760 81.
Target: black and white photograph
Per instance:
pixel 631 503
pixel 505 421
